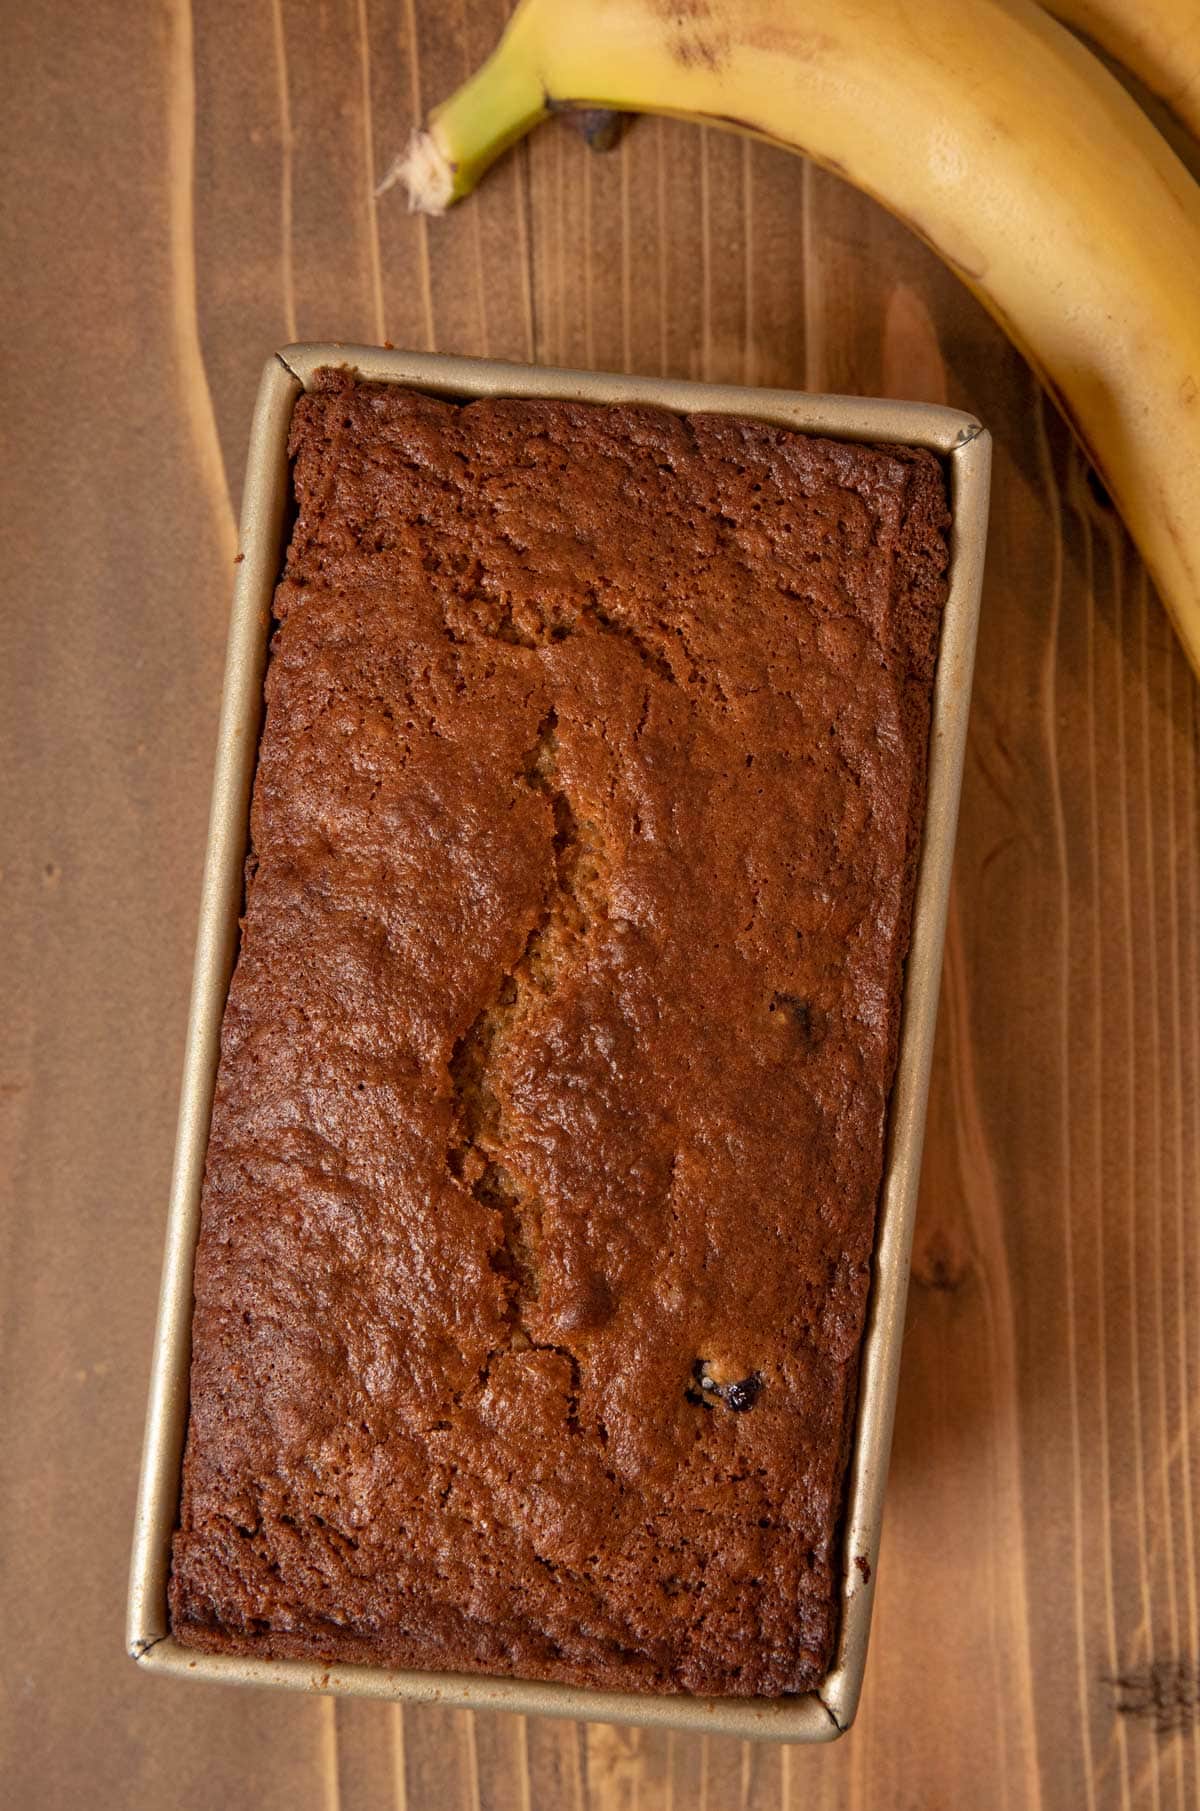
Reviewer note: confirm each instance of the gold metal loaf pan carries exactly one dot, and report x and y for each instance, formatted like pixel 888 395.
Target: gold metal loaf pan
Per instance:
pixel 966 450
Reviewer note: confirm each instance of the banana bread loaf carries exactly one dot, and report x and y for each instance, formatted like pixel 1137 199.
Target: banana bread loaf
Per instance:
pixel 549 1126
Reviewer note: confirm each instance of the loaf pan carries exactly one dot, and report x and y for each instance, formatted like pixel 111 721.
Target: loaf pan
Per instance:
pixel 966 451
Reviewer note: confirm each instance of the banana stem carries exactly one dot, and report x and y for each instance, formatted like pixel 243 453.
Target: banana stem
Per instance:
pixel 500 103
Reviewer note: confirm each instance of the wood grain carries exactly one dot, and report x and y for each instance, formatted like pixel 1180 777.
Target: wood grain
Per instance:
pixel 189 187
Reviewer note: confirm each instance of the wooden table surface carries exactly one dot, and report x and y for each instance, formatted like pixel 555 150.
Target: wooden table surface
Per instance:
pixel 189 188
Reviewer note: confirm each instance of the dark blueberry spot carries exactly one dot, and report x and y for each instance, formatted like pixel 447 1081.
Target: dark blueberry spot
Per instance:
pixel 736 1396
pixel 743 1395
pixel 808 1020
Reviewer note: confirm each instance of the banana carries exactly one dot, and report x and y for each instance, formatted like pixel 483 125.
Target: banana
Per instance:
pixel 982 123
pixel 1159 40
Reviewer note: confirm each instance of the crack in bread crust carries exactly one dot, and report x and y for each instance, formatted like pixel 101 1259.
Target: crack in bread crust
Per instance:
pixel 478 1156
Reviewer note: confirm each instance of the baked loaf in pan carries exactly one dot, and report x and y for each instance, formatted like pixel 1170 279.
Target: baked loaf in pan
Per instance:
pixel 549 1126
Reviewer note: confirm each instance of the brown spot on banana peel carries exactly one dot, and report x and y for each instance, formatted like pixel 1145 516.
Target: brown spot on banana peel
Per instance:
pixel 696 14
pixel 696 42
pixel 682 10
pixel 697 51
